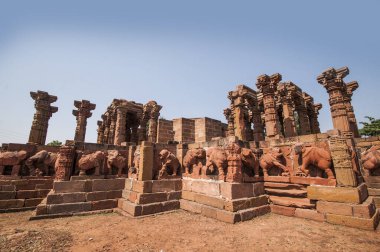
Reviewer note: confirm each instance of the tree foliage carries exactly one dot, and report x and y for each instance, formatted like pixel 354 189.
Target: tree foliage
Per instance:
pixel 371 128
pixel 55 143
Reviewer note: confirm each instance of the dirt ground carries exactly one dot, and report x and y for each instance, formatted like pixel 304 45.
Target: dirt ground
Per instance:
pixel 178 231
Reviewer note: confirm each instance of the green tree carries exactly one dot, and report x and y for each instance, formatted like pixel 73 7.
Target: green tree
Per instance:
pixel 55 143
pixel 371 128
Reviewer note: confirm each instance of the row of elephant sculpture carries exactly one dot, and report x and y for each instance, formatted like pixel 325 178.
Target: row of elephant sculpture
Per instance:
pixel 213 160
pixel 44 163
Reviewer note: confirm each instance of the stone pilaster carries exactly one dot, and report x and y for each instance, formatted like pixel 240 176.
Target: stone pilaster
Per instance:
pixel 83 112
pixel 332 80
pixel 146 161
pixel 100 132
pixel 44 112
pixel 121 124
pixel 64 163
pixel 230 120
pixel 314 119
pixel 351 87
pixel 268 86
pixel 286 93
pixel 112 129
pixel 301 109
pixel 153 122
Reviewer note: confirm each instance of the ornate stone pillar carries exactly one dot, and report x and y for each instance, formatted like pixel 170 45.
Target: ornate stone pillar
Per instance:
pixel 41 118
pixel 268 86
pixel 153 122
pixel 121 125
pixel 230 119
pixel 332 80
pixel 111 134
pixel 302 115
pixel 314 119
pixel 100 132
pixel 83 112
pixel 64 163
pixel 106 122
pixel 351 87
pixel 286 93
pixel 241 117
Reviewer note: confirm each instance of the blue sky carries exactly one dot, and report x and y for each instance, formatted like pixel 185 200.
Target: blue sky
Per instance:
pixel 186 55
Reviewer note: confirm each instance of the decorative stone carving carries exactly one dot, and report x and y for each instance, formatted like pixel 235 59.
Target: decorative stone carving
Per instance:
pixel 250 161
pixel 286 92
pixel 169 164
pixel 193 161
pixel 15 159
pixel 371 161
pixel 41 118
pixel 64 163
pixel 116 160
pixel 315 156
pixel 216 162
pixel 339 98
pixel 101 127
pixel 268 86
pixel 42 163
pixel 83 112
pixel 91 161
pixel 273 159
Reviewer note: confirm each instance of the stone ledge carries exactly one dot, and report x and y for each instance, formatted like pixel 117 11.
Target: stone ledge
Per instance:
pixel 367 224
pixel 147 209
pixel 354 195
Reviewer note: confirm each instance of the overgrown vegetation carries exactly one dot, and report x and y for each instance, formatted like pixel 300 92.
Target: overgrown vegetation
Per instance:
pixel 371 128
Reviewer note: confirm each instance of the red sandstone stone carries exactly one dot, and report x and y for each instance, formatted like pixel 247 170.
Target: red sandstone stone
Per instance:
pixel 103 204
pixel 107 184
pixel 309 214
pixel 11 203
pixel 26 194
pixel 170 205
pixel 7 195
pixel 282 210
pixel 190 206
pixel 62 198
pixel 32 202
pixel 69 208
pixel 334 208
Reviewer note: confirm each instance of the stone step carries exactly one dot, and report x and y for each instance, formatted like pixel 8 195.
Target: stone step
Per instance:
pixel 284 186
pixel 80 206
pixel 148 198
pixel 291 202
pixel 147 209
pixel 287 193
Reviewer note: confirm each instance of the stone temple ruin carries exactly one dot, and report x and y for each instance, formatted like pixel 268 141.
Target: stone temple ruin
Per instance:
pixel 269 157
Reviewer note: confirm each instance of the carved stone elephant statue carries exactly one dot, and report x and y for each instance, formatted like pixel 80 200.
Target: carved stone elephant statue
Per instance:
pixel 90 161
pixel 116 160
pixel 371 160
pixel 250 160
pixel 193 160
pixel 12 158
pixel 216 159
pixel 316 156
pixel 169 164
pixel 273 159
pixel 41 163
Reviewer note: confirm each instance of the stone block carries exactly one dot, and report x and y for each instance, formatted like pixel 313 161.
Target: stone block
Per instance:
pixel 72 186
pixel 95 196
pixel 188 195
pixel 190 206
pixel 114 194
pixel 280 179
pixel 132 197
pixel 282 210
pixel 142 186
pixel 291 202
pixel 373 192
pixel 236 190
pixel 228 217
pixel 361 223
pixel 251 213
pixel 41 209
pixel 167 185
pixel 44 186
pixel 107 184
pixel 170 205
pixel 245 203
pixel 103 204
pixel 147 198
pixel 258 189
pixel 208 211
pixel 338 194
pixel 42 193
pixel 11 203
pixel 365 210
pixel 208 187
pixel 69 208
pixel 209 201
pixel 334 208
pixel 312 181
pixel 26 194
pixel 32 202
pixel 151 208
pixel 63 198
pixel 146 161
pixel 7 188
pixel 309 214
pixel 129 207
pixel 186 184
pixel 174 195
pixel 4 195
pixel 128 184
pixel 283 186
